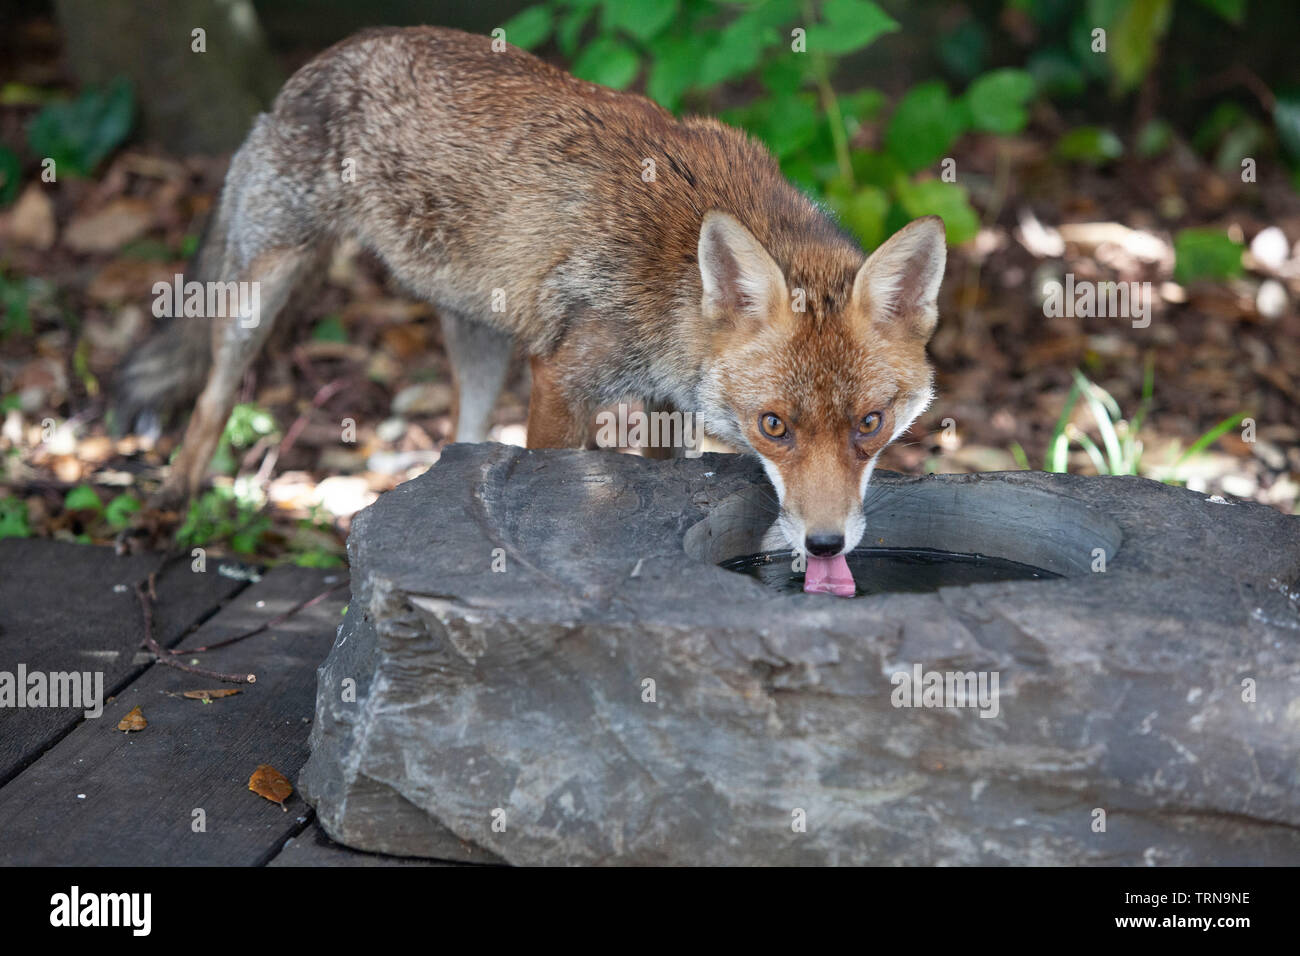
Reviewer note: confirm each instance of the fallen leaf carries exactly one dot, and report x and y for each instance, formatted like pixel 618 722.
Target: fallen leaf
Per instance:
pixel 268 782
pixel 134 720
pixel 31 222
pixel 110 228
pixel 208 696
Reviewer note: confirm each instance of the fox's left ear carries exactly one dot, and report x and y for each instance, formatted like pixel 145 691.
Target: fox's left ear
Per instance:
pixel 900 281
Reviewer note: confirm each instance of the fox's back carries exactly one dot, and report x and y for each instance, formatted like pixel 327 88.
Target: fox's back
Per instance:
pixel 476 170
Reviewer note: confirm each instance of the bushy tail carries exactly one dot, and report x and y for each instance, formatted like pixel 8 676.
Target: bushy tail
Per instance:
pixel 158 382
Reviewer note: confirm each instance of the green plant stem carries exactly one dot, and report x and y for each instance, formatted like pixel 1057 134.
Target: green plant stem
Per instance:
pixel 831 104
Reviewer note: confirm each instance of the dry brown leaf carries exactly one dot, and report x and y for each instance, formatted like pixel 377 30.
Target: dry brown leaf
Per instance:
pixel 134 720
pixel 31 222
pixel 111 227
pixel 208 696
pixel 268 782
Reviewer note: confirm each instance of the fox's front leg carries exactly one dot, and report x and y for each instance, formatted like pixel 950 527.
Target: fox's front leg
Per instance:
pixel 555 418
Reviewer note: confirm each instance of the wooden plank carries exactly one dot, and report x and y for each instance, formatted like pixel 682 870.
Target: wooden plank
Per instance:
pixel 103 797
pixel 71 608
pixel 313 848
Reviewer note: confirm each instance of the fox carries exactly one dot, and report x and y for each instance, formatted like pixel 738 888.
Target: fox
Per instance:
pixel 626 253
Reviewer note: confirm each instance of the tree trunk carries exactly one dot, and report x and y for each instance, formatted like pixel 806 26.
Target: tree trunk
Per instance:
pixel 189 101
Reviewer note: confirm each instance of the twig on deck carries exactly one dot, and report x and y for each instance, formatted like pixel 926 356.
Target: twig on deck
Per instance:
pixel 301 606
pixel 143 592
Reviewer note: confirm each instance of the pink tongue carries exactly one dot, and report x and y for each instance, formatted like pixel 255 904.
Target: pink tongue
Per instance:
pixel 829 576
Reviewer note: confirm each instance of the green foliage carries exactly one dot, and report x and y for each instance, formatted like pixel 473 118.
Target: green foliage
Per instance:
pixel 247 423
pixel 1090 144
pixel 997 100
pixel 83 498
pixel 79 133
pixel 924 126
pixel 1205 254
pixel 330 329
pixel 118 512
pixel 1119 437
pixel 13 518
pixel 11 171
pixel 783 54
pixel 1120 449
pixel 219 517
pixel 530 27
pixel 15 308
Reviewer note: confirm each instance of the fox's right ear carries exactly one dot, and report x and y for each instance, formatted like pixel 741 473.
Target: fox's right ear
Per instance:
pixel 740 279
pixel 900 281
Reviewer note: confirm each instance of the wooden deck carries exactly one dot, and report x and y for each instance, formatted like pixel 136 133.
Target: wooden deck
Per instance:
pixel 78 791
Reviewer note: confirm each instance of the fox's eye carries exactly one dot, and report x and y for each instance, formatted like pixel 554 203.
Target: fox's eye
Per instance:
pixel 870 424
pixel 772 425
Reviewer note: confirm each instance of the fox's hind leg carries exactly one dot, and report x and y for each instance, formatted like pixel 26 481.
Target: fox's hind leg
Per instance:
pixel 235 341
pixel 480 358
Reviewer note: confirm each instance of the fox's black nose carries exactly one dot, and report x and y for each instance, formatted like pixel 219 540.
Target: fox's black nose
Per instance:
pixel 824 545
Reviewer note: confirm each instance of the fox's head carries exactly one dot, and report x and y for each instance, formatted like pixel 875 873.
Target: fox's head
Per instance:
pixel 817 394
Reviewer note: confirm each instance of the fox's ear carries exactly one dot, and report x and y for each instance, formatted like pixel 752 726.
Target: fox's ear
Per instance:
pixel 900 281
pixel 740 279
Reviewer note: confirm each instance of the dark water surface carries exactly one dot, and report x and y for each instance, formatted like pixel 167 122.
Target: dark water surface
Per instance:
pixel 891 570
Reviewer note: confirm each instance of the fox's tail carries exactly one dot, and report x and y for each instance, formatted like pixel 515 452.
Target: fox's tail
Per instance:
pixel 160 380
pixel 157 384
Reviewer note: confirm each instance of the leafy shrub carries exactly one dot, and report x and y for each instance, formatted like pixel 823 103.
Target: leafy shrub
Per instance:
pixel 79 133
pixel 685 51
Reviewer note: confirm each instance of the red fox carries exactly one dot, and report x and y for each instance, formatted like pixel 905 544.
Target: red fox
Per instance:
pixel 627 253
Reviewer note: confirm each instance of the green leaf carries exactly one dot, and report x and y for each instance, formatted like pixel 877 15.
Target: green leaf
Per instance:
pixel 608 62
pixel 789 123
pixel 924 126
pixel 643 19
pixel 78 134
pixel 1286 118
pixel 1154 138
pixel 997 101
pixel 329 329
pixel 785 74
pixel 1205 254
pixel 82 498
pixel 119 511
pixel 11 171
pixel 849 26
pixel 1210 437
pixel 963 49
pixel 529 27
pixel 1056 74
pixel 1090 144
pixel 878 169
pixel 676 64
pixel 863 214
pixel 933 197
pixel 13 518
pixel 1133 38
pixel 862 106
pixel 569 33
pixel 1234 11
pixel 736 52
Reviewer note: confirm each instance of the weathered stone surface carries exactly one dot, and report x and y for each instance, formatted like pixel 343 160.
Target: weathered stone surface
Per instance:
pixel 522 692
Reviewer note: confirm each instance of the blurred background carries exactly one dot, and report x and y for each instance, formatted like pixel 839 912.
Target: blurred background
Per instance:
pixel 1148 141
